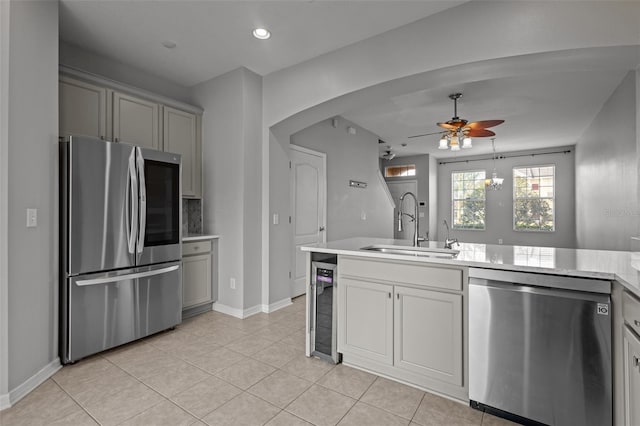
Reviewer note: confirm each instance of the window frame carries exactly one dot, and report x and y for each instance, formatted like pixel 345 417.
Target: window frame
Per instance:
pixel 398 166
pixel 484 200
pixel 515 199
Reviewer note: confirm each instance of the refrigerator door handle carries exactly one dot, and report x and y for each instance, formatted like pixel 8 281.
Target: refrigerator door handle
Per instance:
pixel 131 204
pixel 143 201
pixel 105 280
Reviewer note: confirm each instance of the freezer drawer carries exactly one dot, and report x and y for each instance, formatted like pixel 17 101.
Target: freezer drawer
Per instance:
pixel 101 311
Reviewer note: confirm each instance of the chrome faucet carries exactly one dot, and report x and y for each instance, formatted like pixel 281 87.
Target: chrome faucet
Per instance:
pixel 449 241
pixel 414 217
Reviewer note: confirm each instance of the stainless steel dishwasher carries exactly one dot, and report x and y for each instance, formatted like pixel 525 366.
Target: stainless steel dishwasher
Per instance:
pixel 540 347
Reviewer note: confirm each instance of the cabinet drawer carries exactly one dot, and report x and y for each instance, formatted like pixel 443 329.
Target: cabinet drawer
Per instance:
pixel 196 247
pixel 405 273
pixel 631 311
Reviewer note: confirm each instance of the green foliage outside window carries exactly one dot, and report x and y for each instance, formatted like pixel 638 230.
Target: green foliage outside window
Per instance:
pixel 534 198
pixel 468 200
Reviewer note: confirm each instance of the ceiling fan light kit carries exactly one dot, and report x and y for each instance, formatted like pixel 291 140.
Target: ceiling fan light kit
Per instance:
pixel 458 129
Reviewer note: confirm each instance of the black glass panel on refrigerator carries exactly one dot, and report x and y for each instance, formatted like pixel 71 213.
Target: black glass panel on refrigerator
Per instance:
pixel 163 203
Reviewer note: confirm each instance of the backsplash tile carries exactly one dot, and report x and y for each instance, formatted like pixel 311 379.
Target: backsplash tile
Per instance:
pixel 191 216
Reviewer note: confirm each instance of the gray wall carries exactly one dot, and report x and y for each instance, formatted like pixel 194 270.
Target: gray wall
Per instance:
pixel 279 235
pixel 607 174
pixel 231 180
pixel 76 57
pixel 350 157
pixel 33 182
pixel 499 204
pixel 422 177
pixel 433 198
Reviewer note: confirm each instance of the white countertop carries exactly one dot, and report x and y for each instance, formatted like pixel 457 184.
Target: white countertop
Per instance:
pixel 198 237
pixel 621 266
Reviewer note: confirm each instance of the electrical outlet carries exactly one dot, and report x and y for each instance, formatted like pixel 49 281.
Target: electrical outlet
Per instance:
pixel 499 240
pixel 232 283
pixel 363 215
pixel 276 219
pixel 32 218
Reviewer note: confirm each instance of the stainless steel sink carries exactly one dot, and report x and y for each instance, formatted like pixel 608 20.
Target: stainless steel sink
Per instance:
pixel 440 253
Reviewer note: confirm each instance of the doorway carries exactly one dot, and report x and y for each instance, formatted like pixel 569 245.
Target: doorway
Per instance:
pixel 308 186
pixel 397 189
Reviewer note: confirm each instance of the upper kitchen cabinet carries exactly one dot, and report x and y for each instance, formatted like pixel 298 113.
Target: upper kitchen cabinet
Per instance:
pixel 83 109
pixel 181 135
pixel 92 106
pixel 136 121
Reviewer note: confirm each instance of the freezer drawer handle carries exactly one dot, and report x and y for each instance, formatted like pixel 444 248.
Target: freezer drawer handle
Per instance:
pixel 127 277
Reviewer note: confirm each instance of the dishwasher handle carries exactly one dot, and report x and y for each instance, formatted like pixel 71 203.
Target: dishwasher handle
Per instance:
pixel 540 291
pixel 590 285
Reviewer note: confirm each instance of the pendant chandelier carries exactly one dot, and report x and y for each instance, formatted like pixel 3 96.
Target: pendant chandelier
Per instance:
pixel 495 183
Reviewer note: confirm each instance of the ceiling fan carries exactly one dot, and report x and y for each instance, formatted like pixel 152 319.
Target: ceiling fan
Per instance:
pixel 388 155
pixel 458 129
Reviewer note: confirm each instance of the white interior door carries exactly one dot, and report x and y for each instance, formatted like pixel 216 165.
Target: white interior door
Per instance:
pixel 308 183
pixel 397 189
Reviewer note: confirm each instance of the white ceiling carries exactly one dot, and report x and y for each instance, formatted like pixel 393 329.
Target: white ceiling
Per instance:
pixel 540 110
pixel 214 37
pixel 544 107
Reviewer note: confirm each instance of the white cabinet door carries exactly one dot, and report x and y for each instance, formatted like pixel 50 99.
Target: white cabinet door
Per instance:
pixel 196 280
pixel 365 320
pixel 428 333
pixel 180 136
pixel 631 378
pixel 136 121
pixel 82 109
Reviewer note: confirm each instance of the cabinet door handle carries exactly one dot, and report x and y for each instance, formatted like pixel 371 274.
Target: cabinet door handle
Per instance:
pixel 398 296
pixel 636 361
pixel 389 295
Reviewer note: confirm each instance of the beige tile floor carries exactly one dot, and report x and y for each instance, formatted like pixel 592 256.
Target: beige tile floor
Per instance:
pixel 218 370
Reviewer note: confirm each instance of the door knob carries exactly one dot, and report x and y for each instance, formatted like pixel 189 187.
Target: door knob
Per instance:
pixel 321 228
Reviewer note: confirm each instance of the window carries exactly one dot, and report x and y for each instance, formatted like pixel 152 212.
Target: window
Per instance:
pixel 400 171
pixel 468 195
pixel 534 198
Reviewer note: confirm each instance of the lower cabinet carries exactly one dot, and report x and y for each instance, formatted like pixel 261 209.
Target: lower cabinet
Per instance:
pixel 632 378
pixel 631 363
pixel 198 278
pixel 428 333
pixel 405 330
pixel 366 320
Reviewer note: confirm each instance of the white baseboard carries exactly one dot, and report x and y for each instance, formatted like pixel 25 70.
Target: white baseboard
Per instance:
pixel 30 384
pixel 235 312
pixel 4 401
pixel 277 305
pixel 245 313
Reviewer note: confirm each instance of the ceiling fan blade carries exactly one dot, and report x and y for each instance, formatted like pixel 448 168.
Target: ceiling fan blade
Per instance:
pixel 483 124
pixel 479 133
pixel 426 134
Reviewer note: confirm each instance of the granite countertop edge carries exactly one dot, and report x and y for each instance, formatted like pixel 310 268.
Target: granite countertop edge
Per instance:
pixel 199 237
pixel 597 264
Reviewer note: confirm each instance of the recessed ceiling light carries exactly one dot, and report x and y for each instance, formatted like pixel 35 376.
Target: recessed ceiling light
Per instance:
pixel 261 33
pixel 169 44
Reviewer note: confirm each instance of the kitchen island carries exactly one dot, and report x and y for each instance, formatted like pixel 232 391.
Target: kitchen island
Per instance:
pixel 404 313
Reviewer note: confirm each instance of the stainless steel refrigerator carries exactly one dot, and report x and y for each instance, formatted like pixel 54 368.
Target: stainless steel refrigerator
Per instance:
pixel 120 233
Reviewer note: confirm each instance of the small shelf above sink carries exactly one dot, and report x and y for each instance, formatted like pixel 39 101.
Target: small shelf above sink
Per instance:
pixel 440 253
